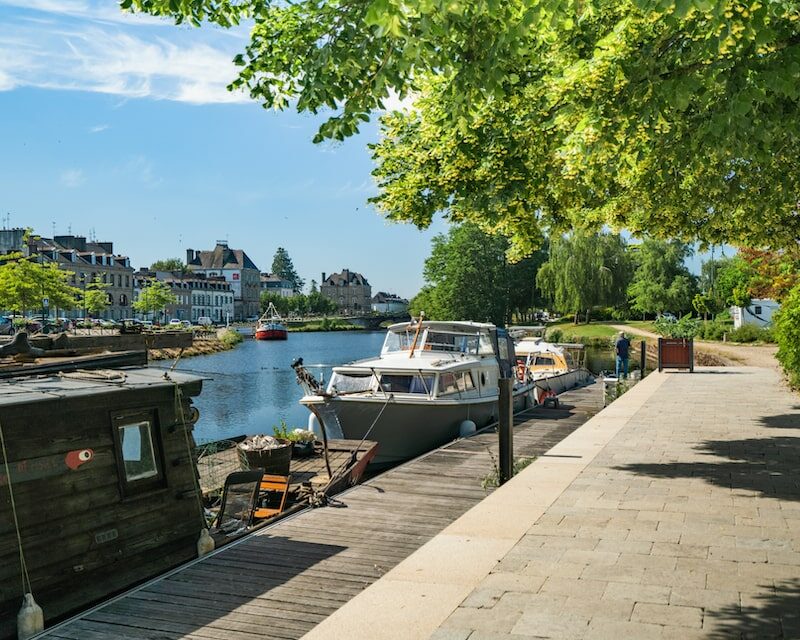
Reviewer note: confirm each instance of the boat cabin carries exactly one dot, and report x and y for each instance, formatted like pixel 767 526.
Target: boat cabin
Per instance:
pixel 101 466
pixel 433 360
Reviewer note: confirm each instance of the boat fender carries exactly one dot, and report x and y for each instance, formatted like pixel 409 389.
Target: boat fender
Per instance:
pixel 30 619
pixel 466 428
pixel 314 425
pixel 205 543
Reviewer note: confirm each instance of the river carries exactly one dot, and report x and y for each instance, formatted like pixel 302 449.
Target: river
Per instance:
pixel 251 388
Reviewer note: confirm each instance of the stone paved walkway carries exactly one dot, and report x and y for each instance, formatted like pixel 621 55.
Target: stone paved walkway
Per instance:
pixel 685 525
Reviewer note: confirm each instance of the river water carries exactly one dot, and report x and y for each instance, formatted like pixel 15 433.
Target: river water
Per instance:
pixel 251 388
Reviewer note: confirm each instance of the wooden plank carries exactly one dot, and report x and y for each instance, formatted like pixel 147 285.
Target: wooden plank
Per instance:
pixel 281 580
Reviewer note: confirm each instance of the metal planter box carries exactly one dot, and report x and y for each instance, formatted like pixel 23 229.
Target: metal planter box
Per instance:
pixel 676 353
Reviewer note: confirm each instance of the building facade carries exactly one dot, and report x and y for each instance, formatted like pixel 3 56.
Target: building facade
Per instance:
pixel 272 283
pixel 349 290
pixel 196 296
pixel 87 261
pixel 237 269
pixel 383 302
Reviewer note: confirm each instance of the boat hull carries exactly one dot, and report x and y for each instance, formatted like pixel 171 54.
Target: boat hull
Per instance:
pixel 271 334
pixel 405 429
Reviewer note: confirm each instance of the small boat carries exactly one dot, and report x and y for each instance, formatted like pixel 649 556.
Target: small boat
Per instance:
pixel 432 382
pixel 553 367
pixel 270 325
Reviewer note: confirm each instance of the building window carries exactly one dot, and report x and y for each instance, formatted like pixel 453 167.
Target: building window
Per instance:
pixel 138 452
pixel 123 300
pixel 757 311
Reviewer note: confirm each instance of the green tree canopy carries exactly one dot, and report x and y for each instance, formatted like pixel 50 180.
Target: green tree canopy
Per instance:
pixel 662 282
pixel 468 278
pixel 26 282
pixel 677 118
pixel 169 264
pixel 584 271
pixel 283 267
pixel 154 297
pixel 95 297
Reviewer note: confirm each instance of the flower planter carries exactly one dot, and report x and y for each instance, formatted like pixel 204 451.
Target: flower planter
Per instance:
pixel 272 461
pixel 676 353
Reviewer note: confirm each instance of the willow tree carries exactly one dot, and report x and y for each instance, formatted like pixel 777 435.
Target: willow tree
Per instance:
pixel 671 117
pixel 584 271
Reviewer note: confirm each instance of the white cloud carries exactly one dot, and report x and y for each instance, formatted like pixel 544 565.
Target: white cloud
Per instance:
pixel 98 128
pixel 141 169
pixel 81 50
pixel 72 178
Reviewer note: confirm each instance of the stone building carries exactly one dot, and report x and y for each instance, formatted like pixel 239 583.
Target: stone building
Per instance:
pixel 273 283
pixel 349 290
pixel 238 270
pixel 196 296
pixel 88 260
pixel 383 302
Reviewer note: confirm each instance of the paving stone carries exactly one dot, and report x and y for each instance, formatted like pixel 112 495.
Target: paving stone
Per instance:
pixel 482 598
pixel 654 594
pixel 496 620
pixel 451 634
pixel 548 625
pixel 679 550
pixel 600 629
pixel 573 587
pixel 502 581
pixel 668 615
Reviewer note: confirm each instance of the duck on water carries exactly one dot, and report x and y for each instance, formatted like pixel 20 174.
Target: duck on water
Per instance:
pixel 429 379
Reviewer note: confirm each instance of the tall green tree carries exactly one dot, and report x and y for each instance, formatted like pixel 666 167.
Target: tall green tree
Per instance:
pixel 670 117
pixel 25 283
pixel 584 271
pixel 662 282
pixel 282 266
pixel 154 297
pixel 469 278
pixel 95 297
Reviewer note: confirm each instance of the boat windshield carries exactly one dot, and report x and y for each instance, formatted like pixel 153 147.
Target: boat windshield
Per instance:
pixel 351 382
pixel 406 383
pixel 429 340
pixel 400 341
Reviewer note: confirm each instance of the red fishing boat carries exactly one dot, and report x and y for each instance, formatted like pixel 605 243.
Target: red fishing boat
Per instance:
pixel 270 325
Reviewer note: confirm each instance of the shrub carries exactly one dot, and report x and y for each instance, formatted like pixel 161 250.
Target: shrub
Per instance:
pixel 713 331
pixel 230 338
pixel 787 335
pixel 555 335
pixel 686 327
pixel 750 333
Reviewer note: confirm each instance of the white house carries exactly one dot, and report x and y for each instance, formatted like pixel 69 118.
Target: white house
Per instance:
pixel 759 312
pixel 384 302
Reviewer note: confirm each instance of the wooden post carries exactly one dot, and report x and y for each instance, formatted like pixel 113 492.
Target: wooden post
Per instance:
pixel 642 357
pixel 504 430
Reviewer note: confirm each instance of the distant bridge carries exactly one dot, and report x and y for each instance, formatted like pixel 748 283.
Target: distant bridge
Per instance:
pixel 371 321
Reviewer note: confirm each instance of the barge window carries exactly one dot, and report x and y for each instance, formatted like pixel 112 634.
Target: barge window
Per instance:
pixel 453 342
pixel 544 360
pixel 136 442
pixel 397 342
pixel 454 382
pixel 399 383
pixel 138 450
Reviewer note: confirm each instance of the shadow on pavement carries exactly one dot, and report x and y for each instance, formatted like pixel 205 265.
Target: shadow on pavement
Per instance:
pixel 767 615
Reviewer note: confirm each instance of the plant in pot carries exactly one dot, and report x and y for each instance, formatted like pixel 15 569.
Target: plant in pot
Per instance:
pixel 676 346
pixel 271 454
pixel 302 440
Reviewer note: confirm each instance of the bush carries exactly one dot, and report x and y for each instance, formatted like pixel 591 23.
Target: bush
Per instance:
pixel 230 338
pixel 555 335
pixel 750 333
pixel 787 335
pixel 686 327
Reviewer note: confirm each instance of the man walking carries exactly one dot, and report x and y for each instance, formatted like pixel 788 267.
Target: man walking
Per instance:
pixel 621 348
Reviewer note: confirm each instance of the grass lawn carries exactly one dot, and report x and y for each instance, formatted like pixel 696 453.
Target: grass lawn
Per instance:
pixel 575 332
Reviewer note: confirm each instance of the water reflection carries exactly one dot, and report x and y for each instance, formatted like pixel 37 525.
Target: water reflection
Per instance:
pixel 252 388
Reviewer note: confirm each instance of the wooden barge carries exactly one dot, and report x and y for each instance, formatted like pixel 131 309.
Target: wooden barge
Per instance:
pixel 101 466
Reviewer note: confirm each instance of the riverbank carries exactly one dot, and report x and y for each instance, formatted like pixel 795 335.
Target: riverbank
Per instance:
pixel 322 325
pixel 225 340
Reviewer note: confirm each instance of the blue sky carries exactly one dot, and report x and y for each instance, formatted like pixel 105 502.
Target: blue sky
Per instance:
pixel 121 126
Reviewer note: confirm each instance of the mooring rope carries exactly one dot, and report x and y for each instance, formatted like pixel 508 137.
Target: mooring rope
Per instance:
pixel 23 565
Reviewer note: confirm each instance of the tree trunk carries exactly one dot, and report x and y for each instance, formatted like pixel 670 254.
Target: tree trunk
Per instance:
pixel 577 314
pixel 588 313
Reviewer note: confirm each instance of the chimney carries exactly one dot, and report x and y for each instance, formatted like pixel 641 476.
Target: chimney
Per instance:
pixel 323 278
pixel 346 276
pixel 189 256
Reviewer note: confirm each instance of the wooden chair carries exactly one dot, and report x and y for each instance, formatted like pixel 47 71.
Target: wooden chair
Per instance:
pixel 238 501
pixel 273 492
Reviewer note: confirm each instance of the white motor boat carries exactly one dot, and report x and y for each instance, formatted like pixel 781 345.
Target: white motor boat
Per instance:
pixel 430 379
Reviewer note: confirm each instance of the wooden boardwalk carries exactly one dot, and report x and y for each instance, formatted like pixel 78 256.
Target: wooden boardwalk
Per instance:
pixel 283 580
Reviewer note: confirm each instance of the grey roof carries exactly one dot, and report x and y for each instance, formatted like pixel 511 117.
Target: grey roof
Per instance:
pixel 222 257
pixel 346 278
pixel 26 390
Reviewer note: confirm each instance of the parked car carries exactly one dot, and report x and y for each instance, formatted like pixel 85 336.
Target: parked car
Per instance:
pixel 669 316
pixel 204 321
pixel 6 326
pixel 186 323
pixel 175 322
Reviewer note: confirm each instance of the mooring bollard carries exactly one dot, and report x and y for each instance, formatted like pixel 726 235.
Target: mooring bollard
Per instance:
pixel 504 426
